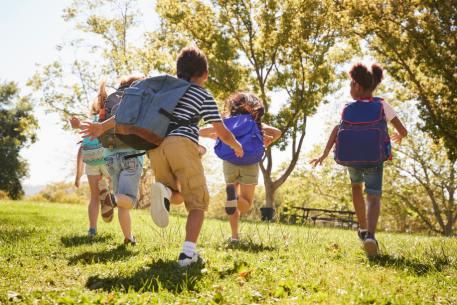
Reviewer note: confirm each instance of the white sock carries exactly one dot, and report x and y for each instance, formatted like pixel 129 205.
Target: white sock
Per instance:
pixel 167 192
pixel 189 248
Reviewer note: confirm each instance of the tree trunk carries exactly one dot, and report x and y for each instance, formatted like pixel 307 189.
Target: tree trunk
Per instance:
pixel 270 191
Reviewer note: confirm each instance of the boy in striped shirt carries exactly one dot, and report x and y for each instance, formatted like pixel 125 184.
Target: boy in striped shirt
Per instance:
pixel 176 162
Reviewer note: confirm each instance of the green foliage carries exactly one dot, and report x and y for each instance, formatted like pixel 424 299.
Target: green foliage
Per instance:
pixel 45 258
pixel 68 88
pixel 264 47
pixel 416 40
pixel 423 182
pixel 17 130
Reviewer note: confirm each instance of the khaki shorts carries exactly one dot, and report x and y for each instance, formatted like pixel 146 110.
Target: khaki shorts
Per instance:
pixel 243 174
pixel 177 161
pixel 97 170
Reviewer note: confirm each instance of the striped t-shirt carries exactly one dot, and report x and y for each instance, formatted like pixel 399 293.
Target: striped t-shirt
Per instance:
pixel 195 102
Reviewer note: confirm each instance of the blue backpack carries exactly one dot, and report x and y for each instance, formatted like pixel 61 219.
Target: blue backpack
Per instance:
pixel 146 110
pixel 363 138
pixel 246 131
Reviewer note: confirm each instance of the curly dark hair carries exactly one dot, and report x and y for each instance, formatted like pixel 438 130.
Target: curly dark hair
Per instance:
pixel 368 79
pixel 245 103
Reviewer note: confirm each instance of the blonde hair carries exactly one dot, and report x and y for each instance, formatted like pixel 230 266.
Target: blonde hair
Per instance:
pixel 98 102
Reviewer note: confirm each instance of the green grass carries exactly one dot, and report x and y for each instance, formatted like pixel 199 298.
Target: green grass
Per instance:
pixel 45 258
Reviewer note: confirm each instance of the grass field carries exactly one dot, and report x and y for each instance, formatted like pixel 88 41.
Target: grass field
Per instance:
pixel 45 258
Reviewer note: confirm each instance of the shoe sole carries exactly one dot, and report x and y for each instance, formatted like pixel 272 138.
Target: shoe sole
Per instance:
pixel 159 213
pixel 371 248
pixel 107 210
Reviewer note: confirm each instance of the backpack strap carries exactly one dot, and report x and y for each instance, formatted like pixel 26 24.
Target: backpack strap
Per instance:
pixel 133 155
pixel 178 121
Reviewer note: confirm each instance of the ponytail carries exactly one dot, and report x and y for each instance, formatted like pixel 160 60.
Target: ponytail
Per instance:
pixel 377 74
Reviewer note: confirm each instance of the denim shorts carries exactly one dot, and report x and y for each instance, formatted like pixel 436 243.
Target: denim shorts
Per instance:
pixel 125 174
pixel 371 176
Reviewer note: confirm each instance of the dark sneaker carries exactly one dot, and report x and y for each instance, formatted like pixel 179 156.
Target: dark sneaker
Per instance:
pixel 362 234
pixel 160 206
pixel 185 260
pixel 107 205
pixel 370 244
pixel 91 233
pixel 232 201
pixel 130 241
pixel 233 241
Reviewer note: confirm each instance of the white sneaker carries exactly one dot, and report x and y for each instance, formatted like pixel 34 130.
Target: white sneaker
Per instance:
pixel 184 260
pixel 160 206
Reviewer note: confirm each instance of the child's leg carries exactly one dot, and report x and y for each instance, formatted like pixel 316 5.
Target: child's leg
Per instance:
pixel 373 188
pixel 194 224
pixel 125 222
pixel 374 210
pixel 356 176
pixel 234 220
pixel 94 204
pixel 245 199
pixel 359 205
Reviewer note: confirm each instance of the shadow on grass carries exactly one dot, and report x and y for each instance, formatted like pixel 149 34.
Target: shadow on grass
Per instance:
pixel 116 254
pixel 414 266
pixel 13 235
pixel 249 246
pixel 153 277
pixel 78 240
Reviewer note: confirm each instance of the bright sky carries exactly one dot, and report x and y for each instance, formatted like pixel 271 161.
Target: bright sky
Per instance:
pixel 31 30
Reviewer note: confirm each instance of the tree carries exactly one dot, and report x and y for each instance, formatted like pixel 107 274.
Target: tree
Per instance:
pixel 425 182
pixel 105 50
pixel 265 47
pixel 416 40
pixel 17 130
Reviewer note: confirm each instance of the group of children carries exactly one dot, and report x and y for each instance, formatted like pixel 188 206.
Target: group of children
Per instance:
pixel 114 170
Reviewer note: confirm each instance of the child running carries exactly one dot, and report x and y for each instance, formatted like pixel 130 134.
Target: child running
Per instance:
pixel 354 117
pixel 125 165
pixel 245 112
pixel 176 161
pixel 90 153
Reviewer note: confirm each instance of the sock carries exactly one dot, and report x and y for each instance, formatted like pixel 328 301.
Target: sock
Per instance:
pixel 167 192
pixel 188 248
pixel 93 231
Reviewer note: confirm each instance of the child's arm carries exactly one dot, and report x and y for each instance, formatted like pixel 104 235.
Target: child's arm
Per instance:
pixel 401 130
pixel 270 134
pixel 79 166
pixel 208 132
pixel 328 147
pixel 94 130
pixel 227 137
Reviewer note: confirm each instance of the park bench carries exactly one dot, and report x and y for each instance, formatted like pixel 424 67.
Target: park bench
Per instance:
pixel 302 215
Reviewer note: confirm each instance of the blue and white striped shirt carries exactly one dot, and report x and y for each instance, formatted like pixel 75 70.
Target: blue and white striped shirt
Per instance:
pixel 195 102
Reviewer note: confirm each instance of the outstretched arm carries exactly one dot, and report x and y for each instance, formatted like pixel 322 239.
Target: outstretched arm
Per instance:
pixel 94 130
pixel 270 134
pixel 227 137
pixel 208 132
pixel 331 141
pixel 401 130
